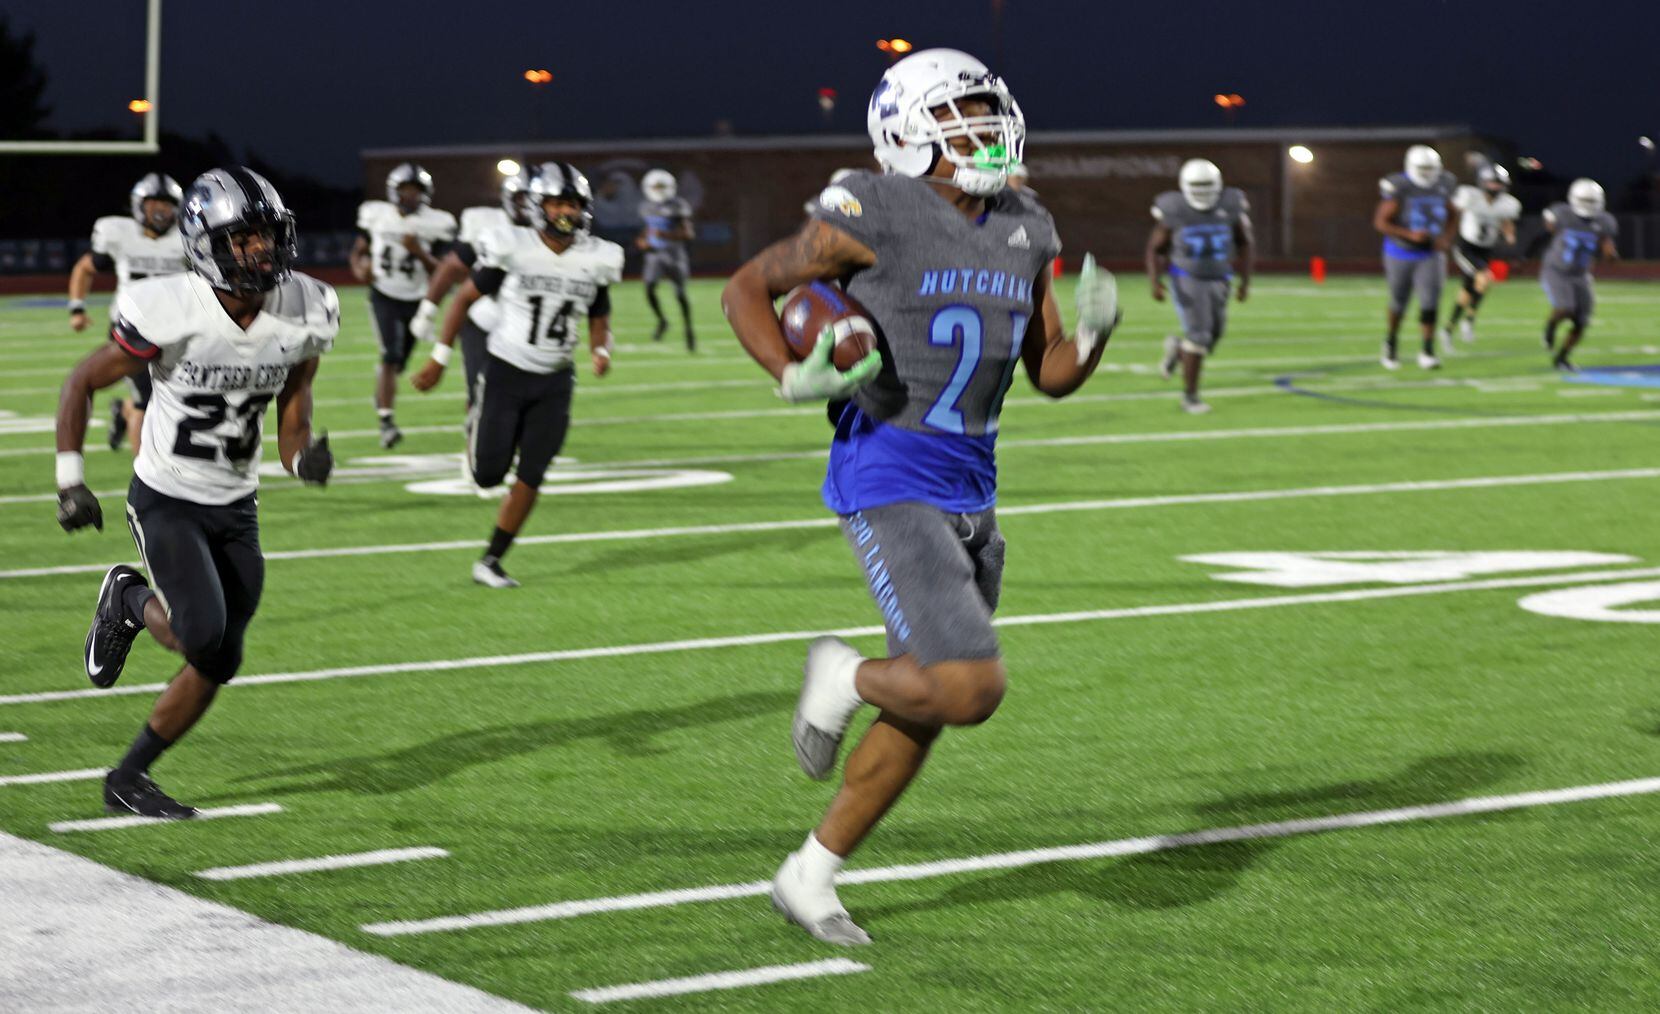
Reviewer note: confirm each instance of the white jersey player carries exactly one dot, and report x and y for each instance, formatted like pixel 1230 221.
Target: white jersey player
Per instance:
pixel 221 343
pixel 144 243
pixel 1487 215
pixel 398 244
pixel 543 279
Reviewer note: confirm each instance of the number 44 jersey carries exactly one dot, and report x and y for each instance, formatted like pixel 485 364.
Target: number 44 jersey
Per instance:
pixel 213 380
pixel 543 294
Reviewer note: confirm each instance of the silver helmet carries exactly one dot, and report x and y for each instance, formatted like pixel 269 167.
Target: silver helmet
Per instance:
pixel 515 195
pixel 409 172
pixel 223 204
pixel 561 179
pixel 155 187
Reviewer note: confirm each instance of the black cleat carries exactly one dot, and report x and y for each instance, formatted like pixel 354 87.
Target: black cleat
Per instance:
pixel 1562 365
pixel 134 792
pixel 662 329
pixel 112 632
pixel 390 435
pixel 118 424
pixel 691 340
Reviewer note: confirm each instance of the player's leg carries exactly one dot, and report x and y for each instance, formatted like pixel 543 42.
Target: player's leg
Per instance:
pixel 1559 293
pixel 391 318
pixel 681 275
pixel 542 424
pixel 1428 278
pixel 936 579
pixel 1397 274
pixel 651 273
pixel 1172 354
pixel 1583 301
pixel 474 342
pixel 1206 315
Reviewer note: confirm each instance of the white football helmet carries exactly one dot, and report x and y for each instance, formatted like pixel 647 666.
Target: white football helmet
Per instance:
pixel 1423 165
pixel 909 138
pixel 1585 196
pixel 409 172
pixel 659 185
pixel 155 187
pixel 1201 183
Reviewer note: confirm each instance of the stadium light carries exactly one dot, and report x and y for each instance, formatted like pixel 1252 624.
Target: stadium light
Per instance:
pixel 900 46
pixel 507 167
pixel 140 106
pixel 1646 142
pixel 1300 154
pixel 1229 101
pixel 540 76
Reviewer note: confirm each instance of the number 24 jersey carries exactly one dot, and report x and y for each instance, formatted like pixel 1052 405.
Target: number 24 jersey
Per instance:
pixel 543 293
pixel 213 381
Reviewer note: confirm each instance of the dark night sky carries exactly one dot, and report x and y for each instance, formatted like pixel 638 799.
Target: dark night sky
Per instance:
pixel 308 83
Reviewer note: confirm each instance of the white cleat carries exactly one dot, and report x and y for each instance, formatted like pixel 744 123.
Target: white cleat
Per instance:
pixel 827 703
pixel 1428 362
pixel 1172 355
pixel 1193 406
pixel 1444 336
pixel 814 907
pixel 490 575
pixel 1467 331
pixel 1388 361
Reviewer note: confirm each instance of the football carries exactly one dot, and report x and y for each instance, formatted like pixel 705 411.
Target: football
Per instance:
pixel 808 309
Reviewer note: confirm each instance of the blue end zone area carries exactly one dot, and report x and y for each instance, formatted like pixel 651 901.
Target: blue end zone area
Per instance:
pixel 50 302
pixel 1618 376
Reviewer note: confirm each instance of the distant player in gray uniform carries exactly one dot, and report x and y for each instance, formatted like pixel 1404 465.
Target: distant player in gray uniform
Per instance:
pixel 1196 231
pixel 954 269
pixel 1581 230
pixel 1418 220
pixel 668 228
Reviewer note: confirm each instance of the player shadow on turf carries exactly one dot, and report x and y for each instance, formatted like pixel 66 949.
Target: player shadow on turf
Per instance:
pixel 699 548
pixel 1193 874
pixel 628 733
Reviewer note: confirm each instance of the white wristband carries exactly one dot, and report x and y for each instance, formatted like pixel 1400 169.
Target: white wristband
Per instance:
pixel 71 469
pixel 77 306
pixel 441 353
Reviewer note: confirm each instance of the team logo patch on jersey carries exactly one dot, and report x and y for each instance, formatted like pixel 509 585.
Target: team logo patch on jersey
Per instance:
pixel 841 200
pixel 1019 240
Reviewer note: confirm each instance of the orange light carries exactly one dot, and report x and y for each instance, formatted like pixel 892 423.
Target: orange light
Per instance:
pixel 893 45
pixel 1222 100
pixel 538 76
pixel 1235 100
pixel 140 105
pixel 1230 101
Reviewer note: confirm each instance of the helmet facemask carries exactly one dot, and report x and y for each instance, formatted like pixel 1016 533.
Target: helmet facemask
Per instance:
pixel 160 214
pixel 996 140
pixel 271 269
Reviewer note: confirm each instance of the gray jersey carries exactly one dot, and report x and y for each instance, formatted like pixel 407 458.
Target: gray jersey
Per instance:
pixel 1421 209
pixel 950 296
pixel 1202 242
pixel 1576 241
pixel 663 218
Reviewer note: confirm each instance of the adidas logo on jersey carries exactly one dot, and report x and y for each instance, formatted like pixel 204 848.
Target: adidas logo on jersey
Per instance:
pixel 1019 240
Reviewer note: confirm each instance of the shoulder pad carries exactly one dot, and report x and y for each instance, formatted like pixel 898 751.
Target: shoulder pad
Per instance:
pixel 159 309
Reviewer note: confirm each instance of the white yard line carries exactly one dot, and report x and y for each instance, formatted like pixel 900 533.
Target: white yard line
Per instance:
pixel 380 857
pixel 134 820
pixel 788 636
pixel 13 737
pixel 80 936
pixel 720 980
pixel 1029 857
pixel 1019 510
pixel 45 777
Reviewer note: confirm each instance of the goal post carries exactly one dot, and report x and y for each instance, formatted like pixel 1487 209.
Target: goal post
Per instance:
pixel 151 142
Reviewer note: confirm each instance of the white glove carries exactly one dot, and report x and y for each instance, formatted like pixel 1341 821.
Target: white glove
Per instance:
pixel 817 379
pixel 1097 306
pixel 421 324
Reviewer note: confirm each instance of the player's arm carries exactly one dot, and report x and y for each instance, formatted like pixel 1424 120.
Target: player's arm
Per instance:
pixel 418 248
pixel 1608 250
pixel 1383 220
pixel 1245 240
pixel 684 231
pixel 80 283
pixel 306 459
pixel 484 282
pixel 1056 364
pixel 362 264
pixel 643 240
pixel 108 364
pixel 1449 232
pixel 451 270
pixel 818 251
pixel 1507 231
pixel 599 331
pixel 1158 258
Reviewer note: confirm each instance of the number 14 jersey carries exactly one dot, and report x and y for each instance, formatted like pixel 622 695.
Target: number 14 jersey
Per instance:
pixel 542 294
pixel 213 380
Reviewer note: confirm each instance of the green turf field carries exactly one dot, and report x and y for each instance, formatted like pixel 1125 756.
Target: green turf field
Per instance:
pixel 1148 697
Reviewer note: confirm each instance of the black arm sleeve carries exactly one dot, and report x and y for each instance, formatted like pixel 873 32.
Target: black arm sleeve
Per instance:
pixel 464 252
pixel 103 262
pixel 601 306
pixel 488 280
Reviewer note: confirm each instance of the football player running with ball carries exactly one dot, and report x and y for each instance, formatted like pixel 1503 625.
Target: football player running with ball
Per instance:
pixel 1581 231
pixel 543 278
pixel 1196 230
pixel 396 251
pixel 142 245
pixel 954 269
pixel 1418 221
pixel 219 343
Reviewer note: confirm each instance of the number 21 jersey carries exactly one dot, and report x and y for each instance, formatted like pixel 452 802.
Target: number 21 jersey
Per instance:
pixel 213 381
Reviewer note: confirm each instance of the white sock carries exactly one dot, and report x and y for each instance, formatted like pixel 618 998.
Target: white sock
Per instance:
pixel 819 865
